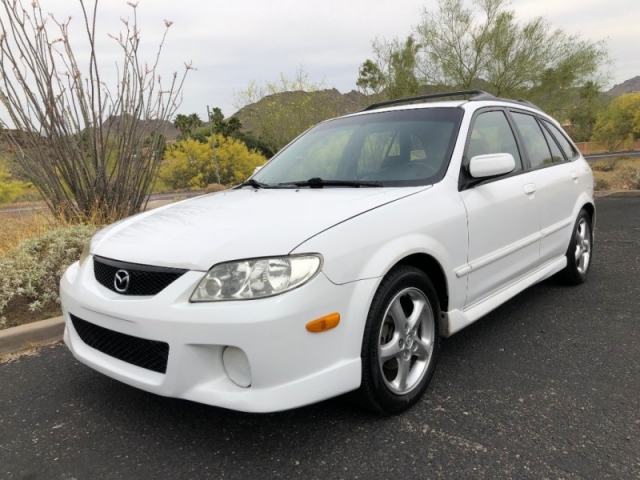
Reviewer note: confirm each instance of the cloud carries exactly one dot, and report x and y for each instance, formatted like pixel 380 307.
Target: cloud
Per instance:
pixel 231 43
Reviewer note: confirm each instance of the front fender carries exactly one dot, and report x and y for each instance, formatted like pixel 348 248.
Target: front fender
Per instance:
pixel 432 222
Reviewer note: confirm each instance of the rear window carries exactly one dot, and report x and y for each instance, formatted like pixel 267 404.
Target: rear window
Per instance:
pixel 398 148
pixel 534 142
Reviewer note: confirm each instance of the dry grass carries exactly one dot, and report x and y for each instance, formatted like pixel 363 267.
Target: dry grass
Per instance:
pixel 16 228
pixel 620 173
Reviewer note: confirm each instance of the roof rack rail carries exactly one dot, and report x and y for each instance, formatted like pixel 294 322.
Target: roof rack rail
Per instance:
pixel 528 103
pixel 400 101
pixel 488 96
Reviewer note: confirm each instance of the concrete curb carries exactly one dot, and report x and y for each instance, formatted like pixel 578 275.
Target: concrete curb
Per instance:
pixel 617 193
pixel 17 338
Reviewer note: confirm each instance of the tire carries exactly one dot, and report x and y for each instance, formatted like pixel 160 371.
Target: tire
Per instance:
pixel 398 361
pixel 580 251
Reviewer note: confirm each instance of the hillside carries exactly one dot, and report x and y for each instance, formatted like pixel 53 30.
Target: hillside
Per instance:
pixel 337 103
pixel 169 131
pixel 628 86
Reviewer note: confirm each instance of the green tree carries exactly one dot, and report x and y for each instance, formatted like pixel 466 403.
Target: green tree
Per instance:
pixel 181 122
pixel 216 115
pixel 231 128
pixel 392 71
pixel 619 122
pixel 584 114
pixel 480 44
pixel 194 121
pixel 187 124
pixel 192 164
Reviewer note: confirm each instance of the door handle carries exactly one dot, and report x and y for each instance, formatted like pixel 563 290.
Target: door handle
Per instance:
pixel 530 188
pixel 574 174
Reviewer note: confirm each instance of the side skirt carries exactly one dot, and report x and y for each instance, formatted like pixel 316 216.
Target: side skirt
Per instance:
pixel 456 320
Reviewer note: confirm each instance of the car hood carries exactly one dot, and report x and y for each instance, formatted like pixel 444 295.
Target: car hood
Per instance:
pixel 200 232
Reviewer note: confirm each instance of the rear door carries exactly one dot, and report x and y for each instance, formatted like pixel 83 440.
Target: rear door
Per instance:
pixel 565 188
pixel 503 213
pixel 556 180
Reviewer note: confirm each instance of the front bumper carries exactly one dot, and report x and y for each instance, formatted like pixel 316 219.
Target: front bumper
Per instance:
pixel 290 366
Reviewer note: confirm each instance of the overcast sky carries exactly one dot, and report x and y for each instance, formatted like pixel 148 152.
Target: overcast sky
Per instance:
pixel 233 42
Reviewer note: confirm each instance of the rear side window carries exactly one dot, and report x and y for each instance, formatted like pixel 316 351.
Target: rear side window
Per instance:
pixel 492 133
pixel 568 149
pixel 556 154
pixel 534 142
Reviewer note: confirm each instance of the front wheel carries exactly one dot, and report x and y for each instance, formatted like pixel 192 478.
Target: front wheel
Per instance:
pixel 580 251
pixel 401 342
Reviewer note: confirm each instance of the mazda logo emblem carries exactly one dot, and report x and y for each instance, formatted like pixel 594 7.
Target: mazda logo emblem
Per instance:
pixel 121 281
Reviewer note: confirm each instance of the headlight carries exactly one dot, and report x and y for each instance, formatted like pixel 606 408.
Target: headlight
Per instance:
pixel 85 252
pixel 256 278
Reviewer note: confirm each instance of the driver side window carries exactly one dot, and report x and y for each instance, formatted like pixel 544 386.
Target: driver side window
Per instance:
pixel 492 134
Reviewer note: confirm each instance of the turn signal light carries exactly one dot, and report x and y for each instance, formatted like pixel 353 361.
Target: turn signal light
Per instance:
pixel 324 323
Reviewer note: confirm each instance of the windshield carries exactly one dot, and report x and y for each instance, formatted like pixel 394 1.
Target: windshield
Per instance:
pixel 398 148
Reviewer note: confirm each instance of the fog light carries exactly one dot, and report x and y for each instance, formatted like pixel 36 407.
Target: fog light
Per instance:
pixel 237 366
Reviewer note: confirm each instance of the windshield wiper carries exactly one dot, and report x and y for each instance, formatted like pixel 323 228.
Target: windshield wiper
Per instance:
pixel 254 183
pixel 317 182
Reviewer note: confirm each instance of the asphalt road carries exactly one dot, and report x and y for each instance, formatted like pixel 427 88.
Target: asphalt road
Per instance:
pixel 547 386
pixel 7 209
pixel 598 156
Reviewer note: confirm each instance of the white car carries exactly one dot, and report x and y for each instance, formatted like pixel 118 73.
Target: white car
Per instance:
pixel 340 265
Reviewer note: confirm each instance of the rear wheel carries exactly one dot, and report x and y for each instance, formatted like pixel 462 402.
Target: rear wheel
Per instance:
pixel 580 251
pixel 401 342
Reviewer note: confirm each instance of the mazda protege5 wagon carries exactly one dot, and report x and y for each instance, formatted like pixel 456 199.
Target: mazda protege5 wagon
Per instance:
pixel 341 263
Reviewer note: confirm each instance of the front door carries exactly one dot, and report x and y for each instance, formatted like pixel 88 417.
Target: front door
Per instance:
pixel 502 214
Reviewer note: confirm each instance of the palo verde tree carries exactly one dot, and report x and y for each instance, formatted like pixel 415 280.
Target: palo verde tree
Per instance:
pixel 480 44
pixel 190 163
pixel 392 72
pixel 91 149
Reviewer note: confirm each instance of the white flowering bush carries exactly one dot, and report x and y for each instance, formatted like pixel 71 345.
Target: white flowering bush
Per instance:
pixel 30 273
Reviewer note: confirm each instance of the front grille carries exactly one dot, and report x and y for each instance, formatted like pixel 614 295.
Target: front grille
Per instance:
pixel 142 279
pixel 148 354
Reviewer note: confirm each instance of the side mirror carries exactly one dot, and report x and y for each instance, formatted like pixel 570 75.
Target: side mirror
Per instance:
pixel 491 165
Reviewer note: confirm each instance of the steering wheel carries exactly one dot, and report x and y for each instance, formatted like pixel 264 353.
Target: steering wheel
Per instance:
pixel 422 169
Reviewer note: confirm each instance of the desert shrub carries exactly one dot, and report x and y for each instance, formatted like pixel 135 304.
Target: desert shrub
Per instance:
pixel 214 187
pixel 32 270
pixel 601 182
pixel 634 179
pixel 623 177
pixel 604 165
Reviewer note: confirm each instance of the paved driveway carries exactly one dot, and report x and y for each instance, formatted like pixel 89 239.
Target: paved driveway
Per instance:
pixel 547 386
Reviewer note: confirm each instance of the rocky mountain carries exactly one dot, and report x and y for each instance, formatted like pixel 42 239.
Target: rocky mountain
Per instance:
pixel 628 86
pixel 166 128
pixel 332 101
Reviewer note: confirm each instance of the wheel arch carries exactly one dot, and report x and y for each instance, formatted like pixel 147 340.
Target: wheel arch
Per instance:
pixel 432 268
pixel 591 210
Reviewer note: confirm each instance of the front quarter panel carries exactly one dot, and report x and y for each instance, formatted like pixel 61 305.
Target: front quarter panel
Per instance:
pixel 432 222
